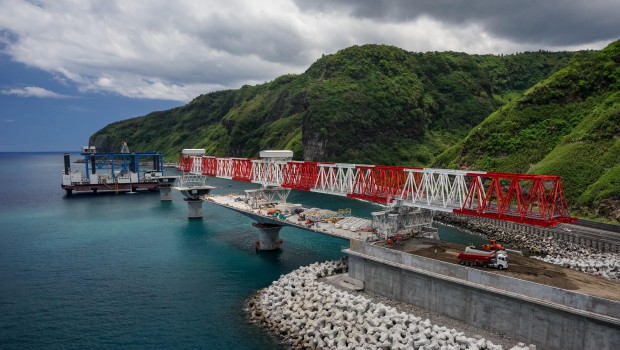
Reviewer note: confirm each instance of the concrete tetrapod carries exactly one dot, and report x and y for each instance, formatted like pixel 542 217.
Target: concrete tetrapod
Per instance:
pixel 314 315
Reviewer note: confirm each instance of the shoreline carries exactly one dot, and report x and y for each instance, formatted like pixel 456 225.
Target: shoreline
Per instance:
pixel 306 311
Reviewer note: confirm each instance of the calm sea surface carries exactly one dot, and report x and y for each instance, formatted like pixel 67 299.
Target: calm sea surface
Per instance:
pixel 128 271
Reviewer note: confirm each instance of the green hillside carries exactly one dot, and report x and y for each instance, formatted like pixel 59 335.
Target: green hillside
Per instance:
pixel 365 104
pixel 537 112
pixel 567 125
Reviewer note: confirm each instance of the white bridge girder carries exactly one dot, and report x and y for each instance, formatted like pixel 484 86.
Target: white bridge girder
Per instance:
pixel 437 189
pixel 267 173
pixel 335 179
pixel 224 168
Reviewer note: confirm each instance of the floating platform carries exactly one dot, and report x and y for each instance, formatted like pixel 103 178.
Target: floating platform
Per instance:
pixel 116 172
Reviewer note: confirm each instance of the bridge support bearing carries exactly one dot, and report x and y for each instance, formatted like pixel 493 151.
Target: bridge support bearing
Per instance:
pixel 268 236
pixel 165 193
pixel 194 207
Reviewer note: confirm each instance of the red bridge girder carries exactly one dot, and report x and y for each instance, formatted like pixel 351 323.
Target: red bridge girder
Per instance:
pixel 209 166
pixel 185 163
pixel 300 175
pixel 531 199
pixel 378 183
pixel 242 169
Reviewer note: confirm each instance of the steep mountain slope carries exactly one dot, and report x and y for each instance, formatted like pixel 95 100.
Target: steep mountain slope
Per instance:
pixel 568 125
pixel 364 104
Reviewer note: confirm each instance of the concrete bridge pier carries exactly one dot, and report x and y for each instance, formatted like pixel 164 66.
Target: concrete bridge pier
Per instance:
pixel 194 207
pixel 268 236
pixel 194 197
pixel 165 187
pixel 165 194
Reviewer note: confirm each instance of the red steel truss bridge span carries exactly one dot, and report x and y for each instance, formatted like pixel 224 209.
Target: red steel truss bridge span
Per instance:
pixel 524 198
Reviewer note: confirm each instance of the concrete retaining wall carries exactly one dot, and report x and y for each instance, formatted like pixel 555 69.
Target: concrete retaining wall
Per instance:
pixel 549 317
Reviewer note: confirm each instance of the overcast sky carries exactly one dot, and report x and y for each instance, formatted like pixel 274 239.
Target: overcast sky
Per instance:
pixel 69 68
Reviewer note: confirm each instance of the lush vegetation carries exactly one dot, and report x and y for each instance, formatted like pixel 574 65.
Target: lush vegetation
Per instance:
pixel 383 105
pixel 364 104
pixel 568 125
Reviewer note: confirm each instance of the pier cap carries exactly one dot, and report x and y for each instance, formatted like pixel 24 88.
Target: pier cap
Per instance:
pixel 193 151
pixel 276 154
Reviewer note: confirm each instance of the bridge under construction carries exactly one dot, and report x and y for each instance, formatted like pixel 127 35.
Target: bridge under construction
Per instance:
pixel 511 303
pixel 410 193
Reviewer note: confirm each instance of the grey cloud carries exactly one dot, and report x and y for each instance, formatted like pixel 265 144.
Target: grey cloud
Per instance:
pixel 273 40
pixel 548 22
pixel 160 49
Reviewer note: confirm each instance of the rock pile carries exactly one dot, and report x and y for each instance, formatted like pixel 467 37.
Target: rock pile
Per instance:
pixel 605 265
pixel 314 315
pixel 567 254
pixel 515 238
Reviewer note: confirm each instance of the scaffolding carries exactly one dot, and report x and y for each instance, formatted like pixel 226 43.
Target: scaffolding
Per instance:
pixel 400 219
pixel 268 195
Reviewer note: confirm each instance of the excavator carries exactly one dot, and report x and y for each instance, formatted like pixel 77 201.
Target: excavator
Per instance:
pixel 493 245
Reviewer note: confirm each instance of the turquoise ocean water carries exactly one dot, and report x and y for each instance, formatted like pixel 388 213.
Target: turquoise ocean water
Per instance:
pixel 128 271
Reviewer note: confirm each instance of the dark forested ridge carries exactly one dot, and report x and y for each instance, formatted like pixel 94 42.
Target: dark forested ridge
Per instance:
pixel 377 104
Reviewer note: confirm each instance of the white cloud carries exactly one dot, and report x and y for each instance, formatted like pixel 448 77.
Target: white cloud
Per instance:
pixel 178 50
pixel 8 120
pixel 33 91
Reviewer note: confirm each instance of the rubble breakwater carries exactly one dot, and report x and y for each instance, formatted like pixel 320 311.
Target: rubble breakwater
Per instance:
pixel 558 252
pixel 311 314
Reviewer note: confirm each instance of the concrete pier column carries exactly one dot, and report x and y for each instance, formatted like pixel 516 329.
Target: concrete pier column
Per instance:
pixel 165 193
pixel 194 197
pixel 165 183
pixel 194 207
pixel 268 236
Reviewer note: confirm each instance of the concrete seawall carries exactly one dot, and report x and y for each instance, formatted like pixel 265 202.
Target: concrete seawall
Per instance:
pixel 549 317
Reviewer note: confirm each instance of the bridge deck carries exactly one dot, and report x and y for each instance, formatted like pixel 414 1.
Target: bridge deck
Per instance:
pixel 261 216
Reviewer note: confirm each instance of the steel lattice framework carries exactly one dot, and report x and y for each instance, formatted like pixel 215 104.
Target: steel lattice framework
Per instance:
pixel 531 199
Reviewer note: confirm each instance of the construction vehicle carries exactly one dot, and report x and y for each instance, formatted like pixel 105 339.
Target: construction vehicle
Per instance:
pixel 493 245
pixel 478 257
pixel 396 239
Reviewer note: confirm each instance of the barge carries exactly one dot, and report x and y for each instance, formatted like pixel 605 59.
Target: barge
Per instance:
pixel 115 172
